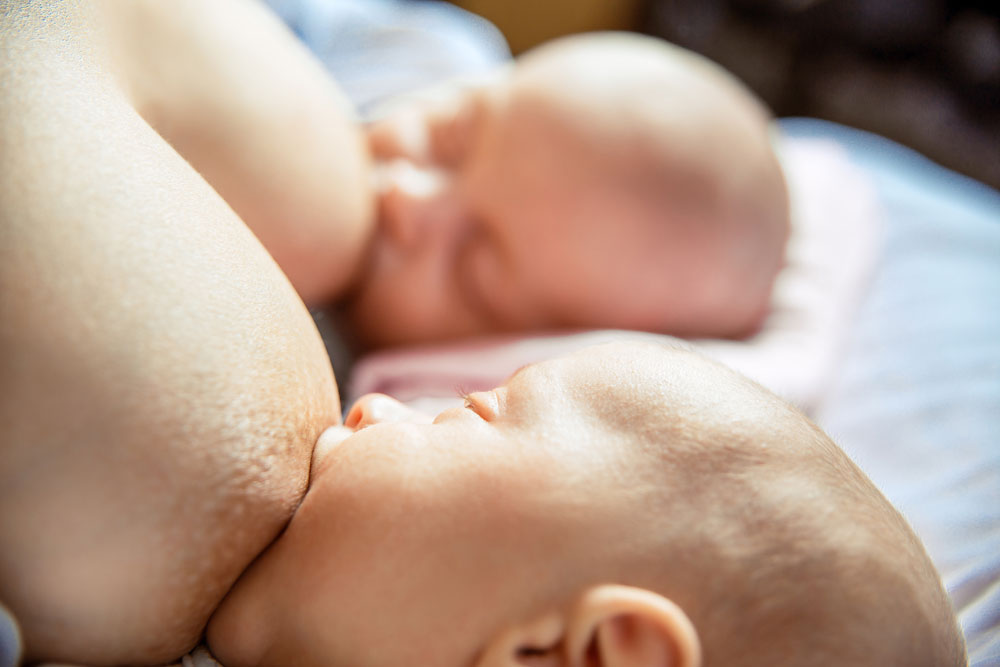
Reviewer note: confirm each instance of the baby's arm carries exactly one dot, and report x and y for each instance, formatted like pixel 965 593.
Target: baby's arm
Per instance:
pixel 161 385
pixel 233 91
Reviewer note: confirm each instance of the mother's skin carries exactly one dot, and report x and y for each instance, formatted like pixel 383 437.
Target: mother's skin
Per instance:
pixel 161 386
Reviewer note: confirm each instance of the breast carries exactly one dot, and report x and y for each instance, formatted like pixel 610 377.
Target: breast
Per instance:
pixel 161 386
pixel 126 518
pixel 161 398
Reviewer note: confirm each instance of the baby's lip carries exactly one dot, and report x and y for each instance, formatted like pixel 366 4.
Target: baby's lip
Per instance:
pixel 327 441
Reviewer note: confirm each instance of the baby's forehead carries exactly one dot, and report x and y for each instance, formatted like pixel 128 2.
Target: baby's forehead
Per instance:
pixel 670 390
pixel 641 368
pixel 649 377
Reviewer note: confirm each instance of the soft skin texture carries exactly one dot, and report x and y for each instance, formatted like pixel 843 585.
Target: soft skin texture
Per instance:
pixel 604 180
pixel 619 474
pixel 161 384
pixel 239 97
pixel 163 390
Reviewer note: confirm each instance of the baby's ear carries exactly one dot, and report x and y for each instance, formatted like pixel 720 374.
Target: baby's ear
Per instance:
pixel 621 626
pixel 610 626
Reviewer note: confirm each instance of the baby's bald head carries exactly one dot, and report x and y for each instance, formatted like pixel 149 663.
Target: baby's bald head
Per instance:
pixel 627 500
pixel 779 549
pixel 682 135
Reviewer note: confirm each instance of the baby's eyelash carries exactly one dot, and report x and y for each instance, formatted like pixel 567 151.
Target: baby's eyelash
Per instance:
pixel 466 397
pixel 483 404
pixel 475 406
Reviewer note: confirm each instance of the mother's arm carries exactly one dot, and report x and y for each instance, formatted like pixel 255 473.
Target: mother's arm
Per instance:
pixel 162 385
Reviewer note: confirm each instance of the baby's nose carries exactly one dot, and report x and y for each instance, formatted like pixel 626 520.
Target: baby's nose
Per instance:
pixel 416 201
pixel 381 409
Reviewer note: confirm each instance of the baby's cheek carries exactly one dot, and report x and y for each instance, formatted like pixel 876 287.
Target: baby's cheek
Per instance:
pixel 407 306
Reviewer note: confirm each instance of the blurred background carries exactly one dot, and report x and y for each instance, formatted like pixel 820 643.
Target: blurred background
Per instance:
pixel 925 73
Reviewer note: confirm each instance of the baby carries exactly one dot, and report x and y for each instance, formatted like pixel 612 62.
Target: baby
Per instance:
pixel 605 180
pixel 631 504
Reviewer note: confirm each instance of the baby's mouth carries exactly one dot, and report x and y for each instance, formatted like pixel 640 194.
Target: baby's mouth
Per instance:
pixel 327 442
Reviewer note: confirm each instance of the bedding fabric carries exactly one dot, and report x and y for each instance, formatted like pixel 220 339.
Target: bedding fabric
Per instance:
pixel 377 49
pixel 916 399
pixel 10 640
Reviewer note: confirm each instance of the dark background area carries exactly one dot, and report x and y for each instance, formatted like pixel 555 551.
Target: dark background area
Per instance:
pixel 925 73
